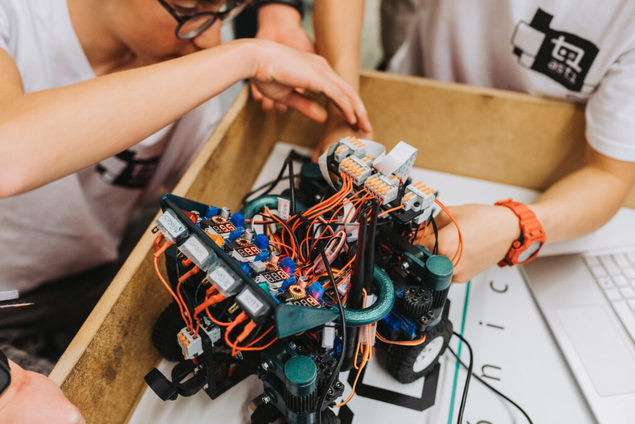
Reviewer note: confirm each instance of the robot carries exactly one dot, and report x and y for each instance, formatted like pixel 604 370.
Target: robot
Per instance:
pixel 299 287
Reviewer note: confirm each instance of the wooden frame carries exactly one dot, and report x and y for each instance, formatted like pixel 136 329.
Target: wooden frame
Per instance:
pixel 477 132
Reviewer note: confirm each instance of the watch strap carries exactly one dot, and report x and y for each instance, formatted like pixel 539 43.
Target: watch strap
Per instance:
pixel 530 231
pixel 5 372
pixel 296 4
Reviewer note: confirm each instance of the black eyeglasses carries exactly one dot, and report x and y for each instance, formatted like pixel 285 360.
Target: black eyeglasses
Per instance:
pixel 193 21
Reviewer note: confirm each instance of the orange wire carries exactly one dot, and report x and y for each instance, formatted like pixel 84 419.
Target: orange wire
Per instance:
pixel 368 354
pixel 459 249
pixel 415 342
pixel 167 286
pixel 215 321
pixel 390 210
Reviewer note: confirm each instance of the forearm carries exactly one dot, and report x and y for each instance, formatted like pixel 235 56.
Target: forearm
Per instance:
pixel 586 199
pixel 338 27
pixel 48 134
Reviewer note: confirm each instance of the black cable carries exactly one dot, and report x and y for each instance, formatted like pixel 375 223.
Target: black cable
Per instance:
pixel 435 251
pixel 459 418
pixel 265 185
pixel 336 370
pixel 492 388
pixel 292 186
pixel 293 155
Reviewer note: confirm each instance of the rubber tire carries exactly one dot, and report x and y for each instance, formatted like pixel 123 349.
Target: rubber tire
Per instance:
pixel 401 359
pixel 164 333
pixel 329 417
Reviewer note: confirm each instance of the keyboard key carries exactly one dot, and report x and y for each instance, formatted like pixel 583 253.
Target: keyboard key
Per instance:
pixel 621 260
pixel 631 303
pixel 629 272
pixel 591 261
pixel 631 257
pixel 613 294
pixel 605 283
pixel 627 292
pixel 606 259
pixel 620 280
pixel 626 316
pixel 612 268
pixel 598 271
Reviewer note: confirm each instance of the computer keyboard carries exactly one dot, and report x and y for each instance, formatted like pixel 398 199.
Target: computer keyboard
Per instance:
pixel 615 275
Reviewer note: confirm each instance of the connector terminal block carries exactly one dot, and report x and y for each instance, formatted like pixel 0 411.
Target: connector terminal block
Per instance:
pixel 385 188
pixel 349 146
pixel 190 346
pixel 418 196
pixel 212 330
pixel 356 168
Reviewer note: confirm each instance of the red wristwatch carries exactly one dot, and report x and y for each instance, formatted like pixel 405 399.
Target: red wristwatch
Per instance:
pixel 532 236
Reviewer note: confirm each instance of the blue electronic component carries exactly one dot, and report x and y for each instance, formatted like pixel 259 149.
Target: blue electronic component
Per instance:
pixel 245 267
pixel 236 233
pixel 288 282
pixel 391 322
pixel 288 265
pixel 211 211
pixel 395 322
pixel 337 348
pixel 316 290
pixel 262 256
pixel 261 241
pixel 238 219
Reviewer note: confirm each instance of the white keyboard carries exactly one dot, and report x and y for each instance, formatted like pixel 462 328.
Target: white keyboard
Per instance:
pixel 615 274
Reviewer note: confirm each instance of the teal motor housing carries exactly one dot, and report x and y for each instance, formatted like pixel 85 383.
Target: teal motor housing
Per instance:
pixel 291 384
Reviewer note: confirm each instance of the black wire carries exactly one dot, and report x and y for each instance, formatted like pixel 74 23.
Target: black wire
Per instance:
pixel 292 187
pixel 293 155
pixel 265 185
pixel 459 419
pixel 337 368
pixel 435 251
pixel 492 388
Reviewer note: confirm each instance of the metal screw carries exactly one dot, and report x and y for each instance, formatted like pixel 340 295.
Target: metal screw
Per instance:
pixel 265 399
pixel 264 366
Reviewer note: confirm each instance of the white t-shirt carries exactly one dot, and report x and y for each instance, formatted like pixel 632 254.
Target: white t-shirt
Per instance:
pixel 77 222
pixel 582 50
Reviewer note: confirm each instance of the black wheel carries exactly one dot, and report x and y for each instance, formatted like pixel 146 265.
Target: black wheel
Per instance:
pixel 164 333
pixel 329 417
pixel 409 363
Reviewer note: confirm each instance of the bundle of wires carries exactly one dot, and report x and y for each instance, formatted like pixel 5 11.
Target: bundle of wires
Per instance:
pixel 322 241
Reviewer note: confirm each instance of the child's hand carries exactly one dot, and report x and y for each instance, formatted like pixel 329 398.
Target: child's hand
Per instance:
pixel 487 231
pixel 281 72
pixel 31 398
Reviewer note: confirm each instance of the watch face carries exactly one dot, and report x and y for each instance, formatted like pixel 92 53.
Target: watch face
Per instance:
pixel 533 248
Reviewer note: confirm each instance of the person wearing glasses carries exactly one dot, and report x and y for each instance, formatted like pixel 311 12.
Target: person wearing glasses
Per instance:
pixel 103 103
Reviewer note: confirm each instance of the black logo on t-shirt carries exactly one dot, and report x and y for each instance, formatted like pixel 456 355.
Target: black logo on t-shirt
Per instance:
pixel 125 170
pixel 562 56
